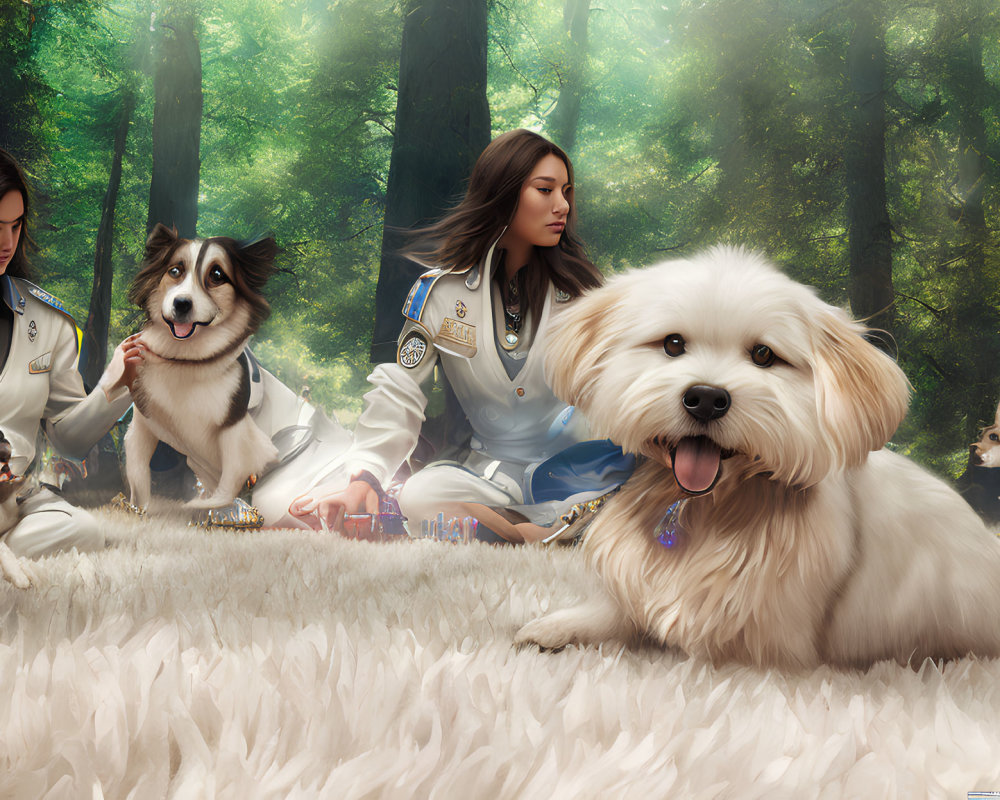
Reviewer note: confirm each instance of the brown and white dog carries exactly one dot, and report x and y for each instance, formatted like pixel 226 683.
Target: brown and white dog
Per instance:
pixel 203 301
pixel 986 452
pixel 767 525
pixel 980 483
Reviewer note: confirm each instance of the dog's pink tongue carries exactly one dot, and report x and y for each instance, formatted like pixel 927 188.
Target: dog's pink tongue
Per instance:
pixel 183 329
pixel 696 463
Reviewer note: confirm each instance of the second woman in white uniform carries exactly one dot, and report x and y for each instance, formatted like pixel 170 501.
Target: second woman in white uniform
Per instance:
pixel 509 256
pixel 40 387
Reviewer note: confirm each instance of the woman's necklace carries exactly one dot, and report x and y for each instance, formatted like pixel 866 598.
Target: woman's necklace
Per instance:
pixel 510 298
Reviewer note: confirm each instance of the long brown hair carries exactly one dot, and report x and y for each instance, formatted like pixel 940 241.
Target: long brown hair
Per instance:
pixel 462 236
pixel 11 179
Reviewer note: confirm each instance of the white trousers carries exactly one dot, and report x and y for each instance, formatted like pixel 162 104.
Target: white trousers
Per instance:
pixel 47 524
pixel 438 486
pixel 320 463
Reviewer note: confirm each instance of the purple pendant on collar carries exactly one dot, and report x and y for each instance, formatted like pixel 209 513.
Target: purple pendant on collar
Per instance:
pixel 669 532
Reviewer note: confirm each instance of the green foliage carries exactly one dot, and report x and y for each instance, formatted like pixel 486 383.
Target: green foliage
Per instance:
pixel 299 104
pixel 700 122
pixel 297 130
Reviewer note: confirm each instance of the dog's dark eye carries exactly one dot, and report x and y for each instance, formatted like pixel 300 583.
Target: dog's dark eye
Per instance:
pixel 673 345
pixel 216 277
pixel 994 437
pixel 175 271
pixel 762 355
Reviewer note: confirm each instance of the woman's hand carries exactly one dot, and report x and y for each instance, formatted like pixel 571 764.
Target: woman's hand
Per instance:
pixel 323 508
pixel 134 355
pixel 125 363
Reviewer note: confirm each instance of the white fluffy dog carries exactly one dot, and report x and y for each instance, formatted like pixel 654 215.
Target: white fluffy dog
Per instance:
pixel 766 524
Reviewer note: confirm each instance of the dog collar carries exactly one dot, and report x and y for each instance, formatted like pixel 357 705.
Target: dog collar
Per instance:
pixel 226 353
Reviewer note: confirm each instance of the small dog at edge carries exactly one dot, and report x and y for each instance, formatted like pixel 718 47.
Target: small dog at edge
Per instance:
pixel 203 301
pixel 980 483
pixel 766 524
pixel 11 567
pixel 10 485
pixel 986 452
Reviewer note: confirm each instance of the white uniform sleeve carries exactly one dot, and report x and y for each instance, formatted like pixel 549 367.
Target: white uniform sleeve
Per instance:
pixel 74 420
pixel 388 428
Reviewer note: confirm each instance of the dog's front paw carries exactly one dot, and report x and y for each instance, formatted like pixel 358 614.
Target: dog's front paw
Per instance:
pixel 597 620
pixel 547 632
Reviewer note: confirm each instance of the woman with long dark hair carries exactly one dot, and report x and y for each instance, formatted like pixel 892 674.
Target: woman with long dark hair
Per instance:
pixel 505 257
pixel 41 387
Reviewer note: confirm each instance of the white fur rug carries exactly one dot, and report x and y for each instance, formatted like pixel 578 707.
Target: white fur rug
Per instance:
pixel 192 664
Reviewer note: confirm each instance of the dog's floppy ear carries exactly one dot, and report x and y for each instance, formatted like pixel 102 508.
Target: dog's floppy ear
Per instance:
pixel 162 241
pixel 257 261
pixel 861 394
pixel 160 238
pixel 578 338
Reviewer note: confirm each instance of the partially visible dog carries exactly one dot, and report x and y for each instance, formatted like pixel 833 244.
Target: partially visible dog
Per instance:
pixel 986 452
pixel 10 484
pixel 980 484
pixel 203 300
pixel 767 524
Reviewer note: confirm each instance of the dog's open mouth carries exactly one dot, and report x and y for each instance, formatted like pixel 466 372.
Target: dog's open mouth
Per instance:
pixel 181 330
pixel 696 462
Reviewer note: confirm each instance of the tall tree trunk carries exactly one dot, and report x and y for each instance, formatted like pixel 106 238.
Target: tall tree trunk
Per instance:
pixel 972 313
pixel 442 125
pixel 964 77
pixel 95 332
pixel 565 117
pixel 173 188
pixel 735 46
pixel 870 288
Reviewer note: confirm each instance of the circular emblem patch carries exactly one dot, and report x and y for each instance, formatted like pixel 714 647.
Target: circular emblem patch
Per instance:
pixel 412 350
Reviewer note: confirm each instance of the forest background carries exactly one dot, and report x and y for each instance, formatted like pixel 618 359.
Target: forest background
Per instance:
pixel 856 143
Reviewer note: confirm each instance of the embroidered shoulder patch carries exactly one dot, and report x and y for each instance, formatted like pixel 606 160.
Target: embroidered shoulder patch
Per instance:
pixel 413 308
pixel 412 349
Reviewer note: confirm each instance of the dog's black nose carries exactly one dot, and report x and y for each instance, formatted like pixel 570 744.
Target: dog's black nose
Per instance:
pixel 182 305
pixel 705 403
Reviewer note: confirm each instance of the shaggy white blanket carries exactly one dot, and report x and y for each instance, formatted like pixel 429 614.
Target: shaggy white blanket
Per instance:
pixel 193 664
